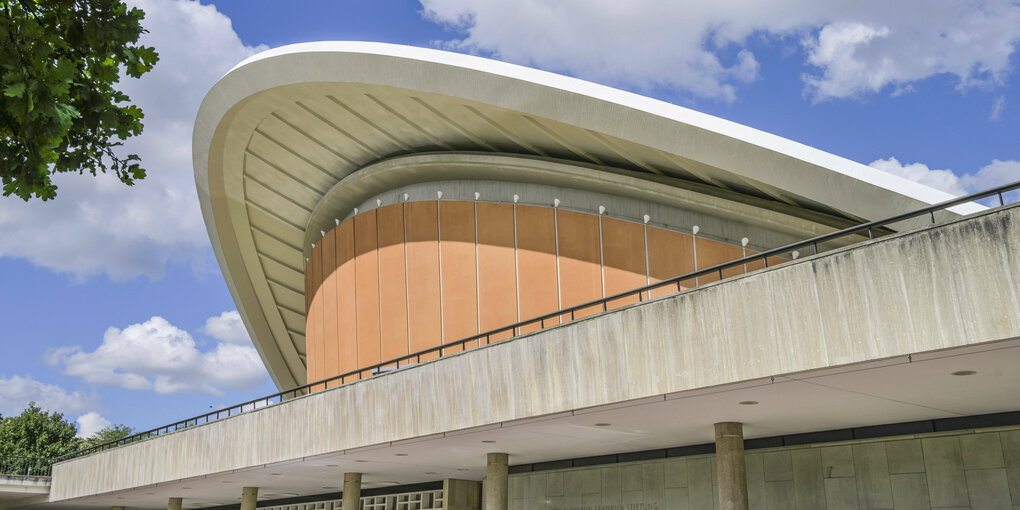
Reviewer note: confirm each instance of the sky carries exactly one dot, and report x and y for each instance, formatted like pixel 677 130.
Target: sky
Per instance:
pixel 112 305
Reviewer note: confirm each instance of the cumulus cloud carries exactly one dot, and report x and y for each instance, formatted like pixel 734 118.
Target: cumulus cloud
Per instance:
pixel 944 180
pixel 16 392
pixel 156 355
pixel 98 225
pixel 993 174
pixel 850 48
pixel 227 327
pixel 90 423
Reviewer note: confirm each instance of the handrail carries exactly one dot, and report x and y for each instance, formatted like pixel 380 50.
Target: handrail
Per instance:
pixel 25 466
pixel 515 329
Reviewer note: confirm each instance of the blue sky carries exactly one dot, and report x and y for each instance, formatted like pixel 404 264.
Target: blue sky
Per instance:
pixel 114 309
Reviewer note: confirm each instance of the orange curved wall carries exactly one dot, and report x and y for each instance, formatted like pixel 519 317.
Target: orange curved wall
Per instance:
pixel 403 278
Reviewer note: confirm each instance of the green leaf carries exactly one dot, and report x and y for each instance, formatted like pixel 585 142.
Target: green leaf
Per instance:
pixel 15 90
pixel 60 105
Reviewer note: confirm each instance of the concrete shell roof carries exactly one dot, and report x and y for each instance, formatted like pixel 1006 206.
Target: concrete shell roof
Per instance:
pixel 282 129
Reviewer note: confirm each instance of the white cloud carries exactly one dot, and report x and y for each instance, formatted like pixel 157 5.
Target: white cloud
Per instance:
pixel 993 174
pixel 852 48
pixel 156 355
pixel 90 423
pixel 97 225
pixel 997 107
pixel 227 327
pixel 944 180
pixel 892 45
pixel 16 392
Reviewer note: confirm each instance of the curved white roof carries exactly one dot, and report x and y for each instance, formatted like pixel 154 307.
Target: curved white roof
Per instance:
pixel 286 126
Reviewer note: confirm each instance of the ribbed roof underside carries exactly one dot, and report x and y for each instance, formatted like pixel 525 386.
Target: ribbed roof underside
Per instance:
pixel 302 122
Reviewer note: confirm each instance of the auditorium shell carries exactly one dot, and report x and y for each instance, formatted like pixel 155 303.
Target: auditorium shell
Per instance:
pixel 356 194
pixel 383 213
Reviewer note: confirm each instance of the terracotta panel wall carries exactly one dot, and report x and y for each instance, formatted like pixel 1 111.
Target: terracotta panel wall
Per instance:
pixel 623 255
pixel 422 232
pixel 315 338
pixel 347 312
pixel 497 282
pixel 366 273
pixel 536 262
pixel 580 259
pixel 669 254
pixel 328 291
pixel 459 280
pixel 392 282
pixel 407 277
pixel 313 319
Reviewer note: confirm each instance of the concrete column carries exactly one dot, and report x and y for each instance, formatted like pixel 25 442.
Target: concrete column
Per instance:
pixel 461 494
pixel 731 472
pixel 497 471
pixel 174 504
pixel 249 498
pixel 352 491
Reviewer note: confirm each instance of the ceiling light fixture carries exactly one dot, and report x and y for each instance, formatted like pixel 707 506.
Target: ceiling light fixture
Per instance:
pixel 748 402
pixel 965 372
pixel 603 424
pixel 488 441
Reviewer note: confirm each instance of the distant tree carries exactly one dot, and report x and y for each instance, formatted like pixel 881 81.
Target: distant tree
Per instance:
pixel 59 110
pixel 106 435
pixel 37 433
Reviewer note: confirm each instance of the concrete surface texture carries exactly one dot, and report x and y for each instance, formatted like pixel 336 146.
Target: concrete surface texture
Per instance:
pixel 18 491
pixel 974 470
pixel 948 286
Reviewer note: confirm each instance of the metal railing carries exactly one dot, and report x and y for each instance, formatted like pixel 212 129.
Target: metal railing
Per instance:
pixel 25 466
pixel 665 288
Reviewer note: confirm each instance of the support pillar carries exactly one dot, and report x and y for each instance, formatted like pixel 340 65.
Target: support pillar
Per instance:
pixel 352 491
pixel 461 494
pixel 249 498
pixel 497 471
pixel 174 504
pixel 731 472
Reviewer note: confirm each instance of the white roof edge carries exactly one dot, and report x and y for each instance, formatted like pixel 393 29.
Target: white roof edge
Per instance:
pixel 648 105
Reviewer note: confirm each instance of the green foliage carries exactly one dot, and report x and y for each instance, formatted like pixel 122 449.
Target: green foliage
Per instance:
pixel 59 110
pixel 37 433
pixel 106 435
pixel 42 434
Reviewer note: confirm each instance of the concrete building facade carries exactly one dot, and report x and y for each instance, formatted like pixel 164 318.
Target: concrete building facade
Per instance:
pixel 370 204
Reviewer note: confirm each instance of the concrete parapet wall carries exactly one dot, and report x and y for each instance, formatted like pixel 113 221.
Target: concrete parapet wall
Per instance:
pixel 947 286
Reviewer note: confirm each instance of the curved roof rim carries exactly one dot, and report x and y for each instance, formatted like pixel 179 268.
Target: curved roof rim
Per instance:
pixel 645 104
pixel 250 93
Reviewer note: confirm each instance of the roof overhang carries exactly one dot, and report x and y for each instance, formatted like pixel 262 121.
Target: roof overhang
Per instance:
pixel 280 131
